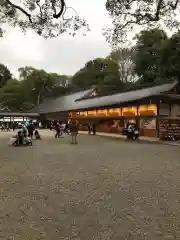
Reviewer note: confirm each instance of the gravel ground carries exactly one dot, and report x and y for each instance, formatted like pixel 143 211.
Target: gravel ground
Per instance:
pixel 99 189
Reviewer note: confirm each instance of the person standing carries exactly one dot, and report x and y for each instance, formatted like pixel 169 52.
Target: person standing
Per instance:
pixel 30 128
pixel 94 128
pixel 74 132
pixel 50 126
pixel 14 126
pixel 89 129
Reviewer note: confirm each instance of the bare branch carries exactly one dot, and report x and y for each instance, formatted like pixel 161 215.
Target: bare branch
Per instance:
pixel 175 5
pixel 159 6
pixel 20 9
pixel 53 6
pixel 46 19
pixel 37 2
pixel 55 15
pixel 63 5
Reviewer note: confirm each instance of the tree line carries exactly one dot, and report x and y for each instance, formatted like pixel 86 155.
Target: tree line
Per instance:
pixel 31 88
pixel 153 59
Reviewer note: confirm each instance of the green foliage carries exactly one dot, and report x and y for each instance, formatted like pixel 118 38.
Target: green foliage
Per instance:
pixel 149 54
pixel 96 72
pixel 129 14
pixel 171 58
pixel 13 96
pixel 34 86
pixel 60 80
pixel 5 75
pixel 47 18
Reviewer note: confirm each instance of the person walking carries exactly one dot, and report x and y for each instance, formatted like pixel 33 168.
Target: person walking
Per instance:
pixel 74 132
pixel 94 128
pixel 89 129
pixel 66 129
pixel 58 130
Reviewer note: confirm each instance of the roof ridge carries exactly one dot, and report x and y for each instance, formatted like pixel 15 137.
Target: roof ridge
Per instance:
pixel 132 89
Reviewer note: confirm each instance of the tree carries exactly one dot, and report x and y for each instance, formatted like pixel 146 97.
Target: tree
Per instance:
pixel 34 85
pixel 170 58
pixel 129 14
pixel 13 96
pixel 110 84
pixel 38 83
pixel 25 72
pixel 94 73
pixel 149 54
pixel 5 75
pixel 60 80
pixel 124 58
pixel 47 18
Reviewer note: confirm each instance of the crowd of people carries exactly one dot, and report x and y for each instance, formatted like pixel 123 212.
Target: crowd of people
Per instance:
pixel 28 131
pixel 25 133
pixel 71 127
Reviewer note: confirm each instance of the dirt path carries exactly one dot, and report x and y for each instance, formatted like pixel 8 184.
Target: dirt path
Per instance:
pixel 99 189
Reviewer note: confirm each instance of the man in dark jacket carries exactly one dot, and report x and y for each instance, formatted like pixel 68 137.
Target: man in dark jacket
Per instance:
pixel 94 128
pixel 30 128
pixel 74 131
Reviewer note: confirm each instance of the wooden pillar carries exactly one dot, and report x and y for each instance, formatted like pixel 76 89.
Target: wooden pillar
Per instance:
pixel 170 109
pixel 157 120
pixel 137 117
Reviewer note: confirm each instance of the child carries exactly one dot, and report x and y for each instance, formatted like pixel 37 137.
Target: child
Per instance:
pixel 37 135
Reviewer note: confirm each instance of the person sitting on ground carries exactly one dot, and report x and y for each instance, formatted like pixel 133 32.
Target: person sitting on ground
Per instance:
pixel 37 135
pixel 21 134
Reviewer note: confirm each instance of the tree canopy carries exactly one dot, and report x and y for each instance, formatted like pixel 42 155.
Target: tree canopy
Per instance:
pixel 13 96
pixel 98 72
pixel 154 58
pixel 129 14
pixel 170 59
pixel 149 55
pixel 33 86
pixel 5 75
pixel 47 18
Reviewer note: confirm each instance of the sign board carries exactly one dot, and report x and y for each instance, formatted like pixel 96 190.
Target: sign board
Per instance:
pixel 164 110
pixel 148 123
pixel 175 110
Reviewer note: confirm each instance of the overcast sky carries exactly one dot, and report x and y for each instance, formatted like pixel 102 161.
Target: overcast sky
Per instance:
pixel 64 54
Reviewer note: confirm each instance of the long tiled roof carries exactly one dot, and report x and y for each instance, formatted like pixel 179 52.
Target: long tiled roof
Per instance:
pixel 18 114
pixel 69 102
pixel 62 103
